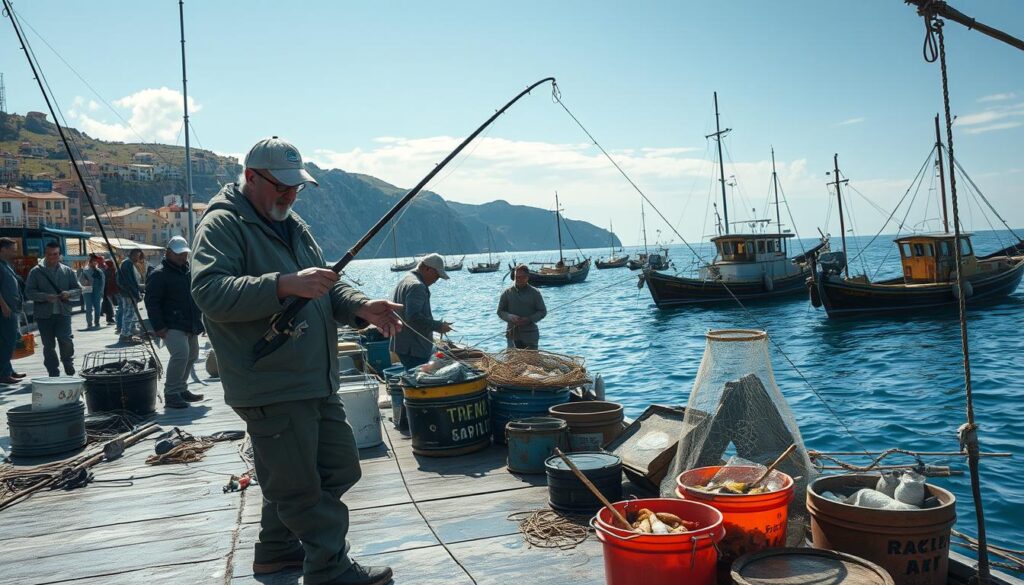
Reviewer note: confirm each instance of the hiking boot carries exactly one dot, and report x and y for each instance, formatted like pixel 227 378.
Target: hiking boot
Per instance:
pixel 69 370
pixel 191 397
pixel 360 575
pixel 292 560
pixel 175 401
pixel 18 376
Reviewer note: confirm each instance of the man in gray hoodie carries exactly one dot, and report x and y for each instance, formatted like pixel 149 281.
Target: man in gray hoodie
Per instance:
pixel 51 287
pixel 250 254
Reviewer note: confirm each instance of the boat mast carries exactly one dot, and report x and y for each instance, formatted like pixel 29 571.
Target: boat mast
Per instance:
pixel 778 213
pixel 611 237
pixel 942 178
pixel 719 133
pixel 188 155
pixel 490 244
pixel 842 224
pixel 558 227
pixel 394 240
pixel 643 226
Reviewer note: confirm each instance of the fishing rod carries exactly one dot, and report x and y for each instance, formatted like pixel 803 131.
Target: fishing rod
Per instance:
pixel 282 325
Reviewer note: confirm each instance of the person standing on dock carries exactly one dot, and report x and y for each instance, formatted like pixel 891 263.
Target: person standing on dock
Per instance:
pixel 129 275
pixel 10 308
pixel 250 254
pixel 51 287
pixel 93 277
pixel 176 319
pixel 522 306
pixel 413 345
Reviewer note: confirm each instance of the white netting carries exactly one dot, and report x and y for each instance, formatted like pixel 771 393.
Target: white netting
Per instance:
pixel 736 412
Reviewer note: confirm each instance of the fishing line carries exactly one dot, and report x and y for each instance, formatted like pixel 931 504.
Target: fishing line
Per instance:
pixel 724 286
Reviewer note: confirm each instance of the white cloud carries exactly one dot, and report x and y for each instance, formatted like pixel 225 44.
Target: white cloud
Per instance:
pixel 992 127
pixel 993 118
pixel 851 121
pixel 152 115
pixel 997 97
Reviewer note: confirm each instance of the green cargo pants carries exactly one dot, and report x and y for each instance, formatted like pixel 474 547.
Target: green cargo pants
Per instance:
pixel 306 458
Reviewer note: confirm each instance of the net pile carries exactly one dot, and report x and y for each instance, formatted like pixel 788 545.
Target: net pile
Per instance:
pixel 523 368
pixel 735 410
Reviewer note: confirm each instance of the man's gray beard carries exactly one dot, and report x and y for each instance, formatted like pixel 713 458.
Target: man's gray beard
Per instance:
pixel 277 214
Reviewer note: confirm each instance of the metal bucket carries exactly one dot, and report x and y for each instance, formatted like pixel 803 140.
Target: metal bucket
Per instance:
pixel 592 424
pixel 449 420
pixel 532 440
pixel 36 434
pixel 566 492
pixel 510 403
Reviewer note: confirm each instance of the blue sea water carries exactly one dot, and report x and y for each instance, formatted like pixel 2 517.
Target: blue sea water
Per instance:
pixel 895 381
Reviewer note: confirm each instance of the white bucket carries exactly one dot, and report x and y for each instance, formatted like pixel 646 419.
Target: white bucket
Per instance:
pixel 359 395
pixel 51 393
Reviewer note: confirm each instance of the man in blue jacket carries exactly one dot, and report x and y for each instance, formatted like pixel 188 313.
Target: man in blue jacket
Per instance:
pixel 176 319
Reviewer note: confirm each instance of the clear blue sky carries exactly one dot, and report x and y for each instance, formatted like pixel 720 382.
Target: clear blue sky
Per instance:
pixel 387 88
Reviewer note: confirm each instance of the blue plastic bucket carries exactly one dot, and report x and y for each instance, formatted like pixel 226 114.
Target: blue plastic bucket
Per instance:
pixel 531 441
pixel 378 354
pixel 509 403
pixel 392 372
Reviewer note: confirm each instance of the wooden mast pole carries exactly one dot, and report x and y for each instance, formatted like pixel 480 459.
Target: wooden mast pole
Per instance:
pixel 719 133
pixel 942 177
pixel 778 213
pixel 558 229
pixel 842 223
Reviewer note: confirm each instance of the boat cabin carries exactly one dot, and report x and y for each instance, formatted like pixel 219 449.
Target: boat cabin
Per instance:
pixel 750 247
pixel 931 257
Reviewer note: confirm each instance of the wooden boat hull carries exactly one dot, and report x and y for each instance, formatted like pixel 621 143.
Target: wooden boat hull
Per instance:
pixel 672 291
pixel 618 263
pixel 842 298
pixel 402 267
pixel 453 267
pixel 577 273
pixel 480 269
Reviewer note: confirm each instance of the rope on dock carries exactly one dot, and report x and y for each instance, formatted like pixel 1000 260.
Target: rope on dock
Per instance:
pixel 547 528
pixel 1015 557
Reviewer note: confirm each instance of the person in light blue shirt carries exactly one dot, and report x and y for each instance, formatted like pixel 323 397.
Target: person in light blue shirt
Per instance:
pixel 94 277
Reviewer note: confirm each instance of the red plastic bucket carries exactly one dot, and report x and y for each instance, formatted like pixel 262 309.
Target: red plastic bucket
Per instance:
pixel 660 559
pixel 752 522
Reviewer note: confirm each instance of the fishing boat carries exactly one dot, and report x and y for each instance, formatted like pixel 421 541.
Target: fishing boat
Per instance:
pixel 751 265
pixel 645 259
pixel 454 266
pixel 929 270
pixel 613 261
pixel 397 265
pixel 557 273
pixel 491 265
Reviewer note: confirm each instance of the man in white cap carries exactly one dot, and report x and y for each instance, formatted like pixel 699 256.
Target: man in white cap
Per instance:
pixel 176 319
pixel 251 253
pixel 414 343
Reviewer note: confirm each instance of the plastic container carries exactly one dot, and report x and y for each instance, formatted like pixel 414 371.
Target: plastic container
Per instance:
pixel 449 420
pixel 565 490
pixel 531 441
pixel 50 393
pixel 820 567
pixel 359 395
pixel 592 424
pixel 398 416
pixel 509 403
pixel 393 372
pixel 132 392
pixel 378 355
pixel 752 522
pixel 912 545
pixel 37 434
pixel 660 559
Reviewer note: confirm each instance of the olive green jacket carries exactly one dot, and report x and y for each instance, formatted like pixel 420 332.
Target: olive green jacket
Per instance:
pixel 236 260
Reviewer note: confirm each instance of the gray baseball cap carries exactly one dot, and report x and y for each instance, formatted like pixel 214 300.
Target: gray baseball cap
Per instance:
pixel 435 261
pixel 281 159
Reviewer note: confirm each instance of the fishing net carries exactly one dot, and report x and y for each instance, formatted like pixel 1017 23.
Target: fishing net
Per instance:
pixel 524 368
pixel 737 413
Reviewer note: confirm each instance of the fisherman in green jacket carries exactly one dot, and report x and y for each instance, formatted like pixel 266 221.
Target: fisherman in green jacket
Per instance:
pixel 521 306
pixel 251 253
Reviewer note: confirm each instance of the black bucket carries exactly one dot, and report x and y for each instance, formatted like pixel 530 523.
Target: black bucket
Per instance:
pixel 449 420
pixel 567 493
pixel 132 392
pixel 37 434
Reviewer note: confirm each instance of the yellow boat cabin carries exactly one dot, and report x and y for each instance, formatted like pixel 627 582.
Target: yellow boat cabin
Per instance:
pixel 929 258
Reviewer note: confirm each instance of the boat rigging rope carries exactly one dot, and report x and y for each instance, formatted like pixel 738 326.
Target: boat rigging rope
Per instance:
pixel 985 199
pixel 547 528
pixel 746 311
pixel 969 431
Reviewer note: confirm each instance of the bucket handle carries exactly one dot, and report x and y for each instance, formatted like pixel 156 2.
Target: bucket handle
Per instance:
pixel 598 528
